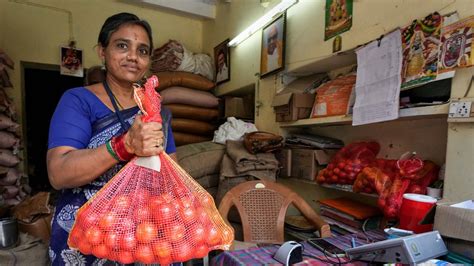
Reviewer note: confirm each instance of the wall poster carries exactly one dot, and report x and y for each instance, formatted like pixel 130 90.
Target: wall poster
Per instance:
pixel 71 62
pixel 421 42
pixel 338 17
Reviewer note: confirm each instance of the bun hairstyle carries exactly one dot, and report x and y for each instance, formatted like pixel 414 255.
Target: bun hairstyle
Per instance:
pixel 113 23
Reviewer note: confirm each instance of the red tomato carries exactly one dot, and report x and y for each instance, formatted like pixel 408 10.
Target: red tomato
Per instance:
pixel 201 251
pixel 201 215
pixel 207 200
pixel 94 235
pixel 162 251
pixel 185 252
pixel 142 213
pixel 84 247
pixel 100 251
pixel 341 165
pixel 212 236
pixel 320 179
pixel 87 219
pixel 186 202
pixel 142 196
pixel 108 221
pixel 181 191
pixel 197 233
pixel 146 232
pixel 125 257
pixel 330 166
pixel 164 211
pixel 129 241
pixel 75 236
pixel 112 240
pixel 144 254
pixel 121 203
pixel 175 232
pixel 188 214
pixel 126 225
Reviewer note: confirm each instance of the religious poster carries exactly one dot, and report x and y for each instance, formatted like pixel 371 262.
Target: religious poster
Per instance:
pixel 71 62
pixel 421 42
pixel 457 45
pixel 338 17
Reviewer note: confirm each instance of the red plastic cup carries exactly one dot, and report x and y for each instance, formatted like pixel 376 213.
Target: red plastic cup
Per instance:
pixel 413 210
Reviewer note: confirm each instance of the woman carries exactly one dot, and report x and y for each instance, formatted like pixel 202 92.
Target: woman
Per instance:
pixel 90 136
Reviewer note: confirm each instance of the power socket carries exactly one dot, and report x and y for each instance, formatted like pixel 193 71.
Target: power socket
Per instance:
pixel 460 109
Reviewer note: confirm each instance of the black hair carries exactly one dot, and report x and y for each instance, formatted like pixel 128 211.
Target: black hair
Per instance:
pixel 114 22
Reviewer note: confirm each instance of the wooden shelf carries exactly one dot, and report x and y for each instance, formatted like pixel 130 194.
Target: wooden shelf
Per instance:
pixel 431 111
pixel 346 188
pixel 323 64
pixel 300 180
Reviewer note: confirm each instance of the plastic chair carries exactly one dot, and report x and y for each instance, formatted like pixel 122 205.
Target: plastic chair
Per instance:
pixel 262 208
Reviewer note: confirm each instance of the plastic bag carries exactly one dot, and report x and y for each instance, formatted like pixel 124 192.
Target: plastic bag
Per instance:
pixel 233 129
pixel 159 215
pixel 425 177
pixel 348 162
pixel 409 165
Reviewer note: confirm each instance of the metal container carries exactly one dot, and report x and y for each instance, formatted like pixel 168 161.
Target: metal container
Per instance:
pixel 8 232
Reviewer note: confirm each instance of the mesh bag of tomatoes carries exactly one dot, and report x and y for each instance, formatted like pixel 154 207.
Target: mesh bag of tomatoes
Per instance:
pixel 377 177
pixel 150 213
pixel 348 162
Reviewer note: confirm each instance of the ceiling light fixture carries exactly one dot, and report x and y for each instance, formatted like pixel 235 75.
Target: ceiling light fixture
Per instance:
pixel 262 21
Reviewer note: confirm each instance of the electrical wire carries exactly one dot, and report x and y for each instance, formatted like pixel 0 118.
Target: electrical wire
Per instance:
pixel 327 260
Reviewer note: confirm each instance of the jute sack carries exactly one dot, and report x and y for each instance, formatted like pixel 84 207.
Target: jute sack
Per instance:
pixel 181 138
pixel 201 159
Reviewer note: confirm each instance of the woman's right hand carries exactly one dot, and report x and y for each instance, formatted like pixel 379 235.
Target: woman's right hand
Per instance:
pixel 144 139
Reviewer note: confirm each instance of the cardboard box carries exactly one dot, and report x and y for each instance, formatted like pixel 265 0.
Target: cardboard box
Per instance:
pixel 455 222
pixel 306 163
pixel 239 107
pixel 292 106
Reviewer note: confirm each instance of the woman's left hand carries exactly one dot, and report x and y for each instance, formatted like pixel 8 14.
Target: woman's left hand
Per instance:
pixel 144 139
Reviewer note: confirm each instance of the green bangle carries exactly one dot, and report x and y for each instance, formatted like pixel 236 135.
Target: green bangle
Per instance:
pixel 111 151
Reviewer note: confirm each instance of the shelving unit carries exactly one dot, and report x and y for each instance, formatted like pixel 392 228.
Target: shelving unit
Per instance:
pixel 432 111
pixel 422 129
pixel 347 188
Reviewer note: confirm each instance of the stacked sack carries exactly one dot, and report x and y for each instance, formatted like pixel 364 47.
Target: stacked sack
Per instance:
pixel 12 188
pixel 202 161
pixel 185 84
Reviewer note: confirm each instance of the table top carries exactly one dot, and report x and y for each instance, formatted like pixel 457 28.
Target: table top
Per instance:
pixel 264 255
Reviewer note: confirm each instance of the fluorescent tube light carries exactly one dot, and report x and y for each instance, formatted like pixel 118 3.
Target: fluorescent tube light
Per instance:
pixel 262 21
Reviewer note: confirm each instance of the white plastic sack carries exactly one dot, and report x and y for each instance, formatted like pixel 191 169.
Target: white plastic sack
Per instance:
pixel 200 64
pixel 233 129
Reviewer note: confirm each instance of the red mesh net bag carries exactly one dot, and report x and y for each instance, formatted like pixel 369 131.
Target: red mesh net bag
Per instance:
pixel 151 211
pixel 348 162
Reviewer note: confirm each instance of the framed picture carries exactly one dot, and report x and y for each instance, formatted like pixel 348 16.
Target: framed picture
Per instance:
pixel 71 62
pixel 222 62
pixel 272 58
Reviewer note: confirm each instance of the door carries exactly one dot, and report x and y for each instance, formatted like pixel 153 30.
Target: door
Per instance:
pixel 43 87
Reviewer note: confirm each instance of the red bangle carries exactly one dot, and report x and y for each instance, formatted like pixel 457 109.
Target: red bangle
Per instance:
pixel 118 145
